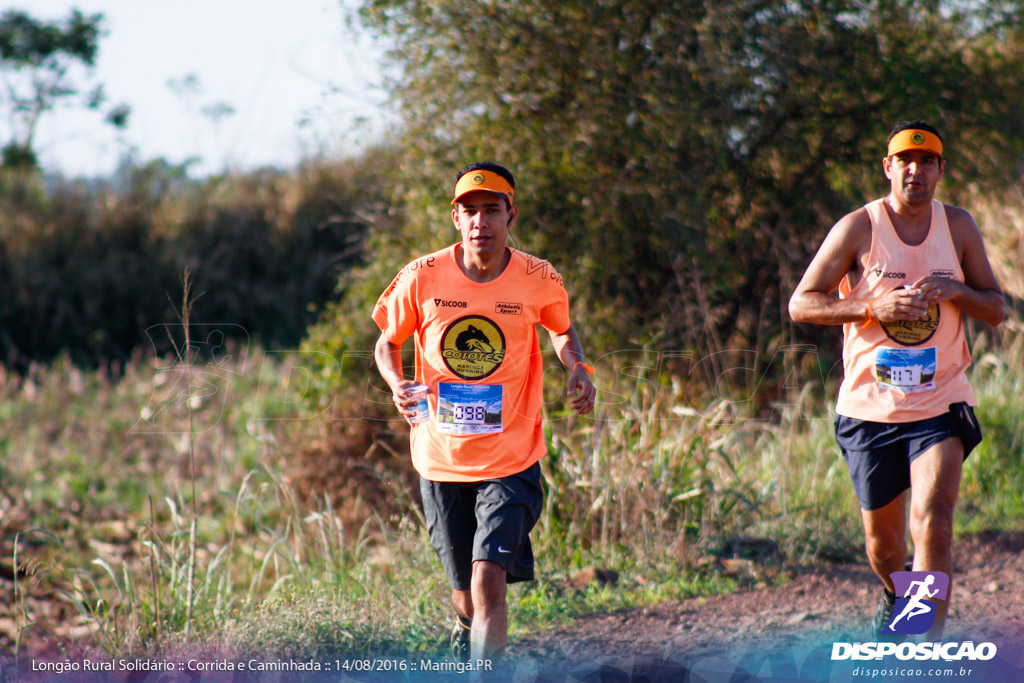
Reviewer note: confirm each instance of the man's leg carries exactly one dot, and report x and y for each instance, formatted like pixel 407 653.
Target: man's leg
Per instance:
pixel 448 511
pixel 885 538
pixel 935 481
pixel 463 601
pixel 506 511
pixel 489 610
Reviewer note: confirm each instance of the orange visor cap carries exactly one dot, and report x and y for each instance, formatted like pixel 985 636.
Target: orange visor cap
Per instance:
pixel 484 180
pixel 913 138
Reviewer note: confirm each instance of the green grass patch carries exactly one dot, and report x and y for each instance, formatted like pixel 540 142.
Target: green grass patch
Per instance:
pixel 125 558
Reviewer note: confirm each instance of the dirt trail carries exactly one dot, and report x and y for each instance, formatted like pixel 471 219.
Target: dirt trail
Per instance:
pixel 820 605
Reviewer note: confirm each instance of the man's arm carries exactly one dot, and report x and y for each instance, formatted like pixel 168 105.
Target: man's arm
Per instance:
pixel 813 300
pixel 389 363
pixel 569 350
pixel 979 295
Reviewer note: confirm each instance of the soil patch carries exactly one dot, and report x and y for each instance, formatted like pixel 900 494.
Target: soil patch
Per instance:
pixel 820 605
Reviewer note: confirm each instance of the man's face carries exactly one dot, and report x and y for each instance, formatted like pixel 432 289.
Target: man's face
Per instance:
pixel 483 218
pixel 913 175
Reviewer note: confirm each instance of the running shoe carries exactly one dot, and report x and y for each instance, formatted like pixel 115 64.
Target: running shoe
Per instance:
pixel 460 638
pixel 883 615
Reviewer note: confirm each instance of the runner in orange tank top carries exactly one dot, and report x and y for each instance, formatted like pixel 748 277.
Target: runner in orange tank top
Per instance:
pixel 472 310
pixel 905 268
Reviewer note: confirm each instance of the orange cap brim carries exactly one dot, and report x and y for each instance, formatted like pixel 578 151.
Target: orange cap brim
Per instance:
pixel 913 138
pixel 484 180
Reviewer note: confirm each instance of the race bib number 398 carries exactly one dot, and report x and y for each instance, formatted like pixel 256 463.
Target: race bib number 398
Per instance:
pixel 465 409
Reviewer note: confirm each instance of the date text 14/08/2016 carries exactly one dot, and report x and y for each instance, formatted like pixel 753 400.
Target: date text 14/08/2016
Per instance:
pixel 424 665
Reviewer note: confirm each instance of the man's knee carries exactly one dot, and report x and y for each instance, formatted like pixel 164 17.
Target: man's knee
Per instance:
pixel 883 545
pixel 931 523
pixel 489 585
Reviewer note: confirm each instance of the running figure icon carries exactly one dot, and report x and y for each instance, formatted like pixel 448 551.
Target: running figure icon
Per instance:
pixel 914 607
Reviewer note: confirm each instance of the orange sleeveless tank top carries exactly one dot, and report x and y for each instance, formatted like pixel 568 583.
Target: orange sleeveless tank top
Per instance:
pixel 906 370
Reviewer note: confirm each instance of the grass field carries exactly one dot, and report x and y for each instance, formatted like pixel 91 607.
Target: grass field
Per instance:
pixel 174 508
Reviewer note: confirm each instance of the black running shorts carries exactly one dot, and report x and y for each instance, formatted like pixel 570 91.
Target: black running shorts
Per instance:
pixel 879 454
pixel 483 520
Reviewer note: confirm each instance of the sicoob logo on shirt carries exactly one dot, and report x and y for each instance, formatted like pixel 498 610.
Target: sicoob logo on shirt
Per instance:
pixel 473 347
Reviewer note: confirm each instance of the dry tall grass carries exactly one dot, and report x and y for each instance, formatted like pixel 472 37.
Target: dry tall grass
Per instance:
pixel 97 516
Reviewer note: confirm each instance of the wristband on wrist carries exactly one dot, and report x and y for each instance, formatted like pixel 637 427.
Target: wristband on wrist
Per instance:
pixel 871 318
pixel 588 368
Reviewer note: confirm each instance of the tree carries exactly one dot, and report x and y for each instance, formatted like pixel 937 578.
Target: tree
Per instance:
pixel 682 159
pixel 41 63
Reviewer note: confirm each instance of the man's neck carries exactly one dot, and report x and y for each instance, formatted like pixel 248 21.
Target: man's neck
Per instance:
pixel 911 221
pixel 480 268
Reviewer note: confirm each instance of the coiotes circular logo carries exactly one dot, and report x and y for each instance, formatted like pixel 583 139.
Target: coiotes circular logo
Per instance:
pixel 914 332
pixel 473 347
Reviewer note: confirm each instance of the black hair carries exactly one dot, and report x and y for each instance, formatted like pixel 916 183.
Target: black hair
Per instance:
pixel 493 168
pixel 488 166
pixel 916 125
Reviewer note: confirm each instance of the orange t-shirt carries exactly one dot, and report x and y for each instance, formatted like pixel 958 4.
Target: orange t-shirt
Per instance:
pixel 907 370
pixel 477 351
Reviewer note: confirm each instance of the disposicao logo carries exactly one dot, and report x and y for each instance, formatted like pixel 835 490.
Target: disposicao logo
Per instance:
pixel 914 612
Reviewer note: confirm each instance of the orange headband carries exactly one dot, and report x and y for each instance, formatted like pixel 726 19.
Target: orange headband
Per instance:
pixel 484 180
pixel 912 138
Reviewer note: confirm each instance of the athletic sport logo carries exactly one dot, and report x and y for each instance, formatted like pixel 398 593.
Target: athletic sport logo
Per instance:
pixel 917 138
pixel 914 612
pixel 478 179
pixel 473 347
pixel 508 308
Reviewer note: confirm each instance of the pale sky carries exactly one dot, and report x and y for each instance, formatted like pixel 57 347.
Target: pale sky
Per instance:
pixel 297 77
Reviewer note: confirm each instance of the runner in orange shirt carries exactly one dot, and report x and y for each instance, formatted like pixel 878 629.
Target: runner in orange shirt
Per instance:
pixel 472 309
pixel 906 267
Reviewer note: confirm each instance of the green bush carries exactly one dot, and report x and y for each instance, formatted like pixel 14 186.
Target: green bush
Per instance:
pixel 88 268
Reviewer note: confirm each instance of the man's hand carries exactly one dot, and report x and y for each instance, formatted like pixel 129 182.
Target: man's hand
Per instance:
pixel 581 391
pixel 904 303
pixel 934 289
pixel 404 400
pixel 911 302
